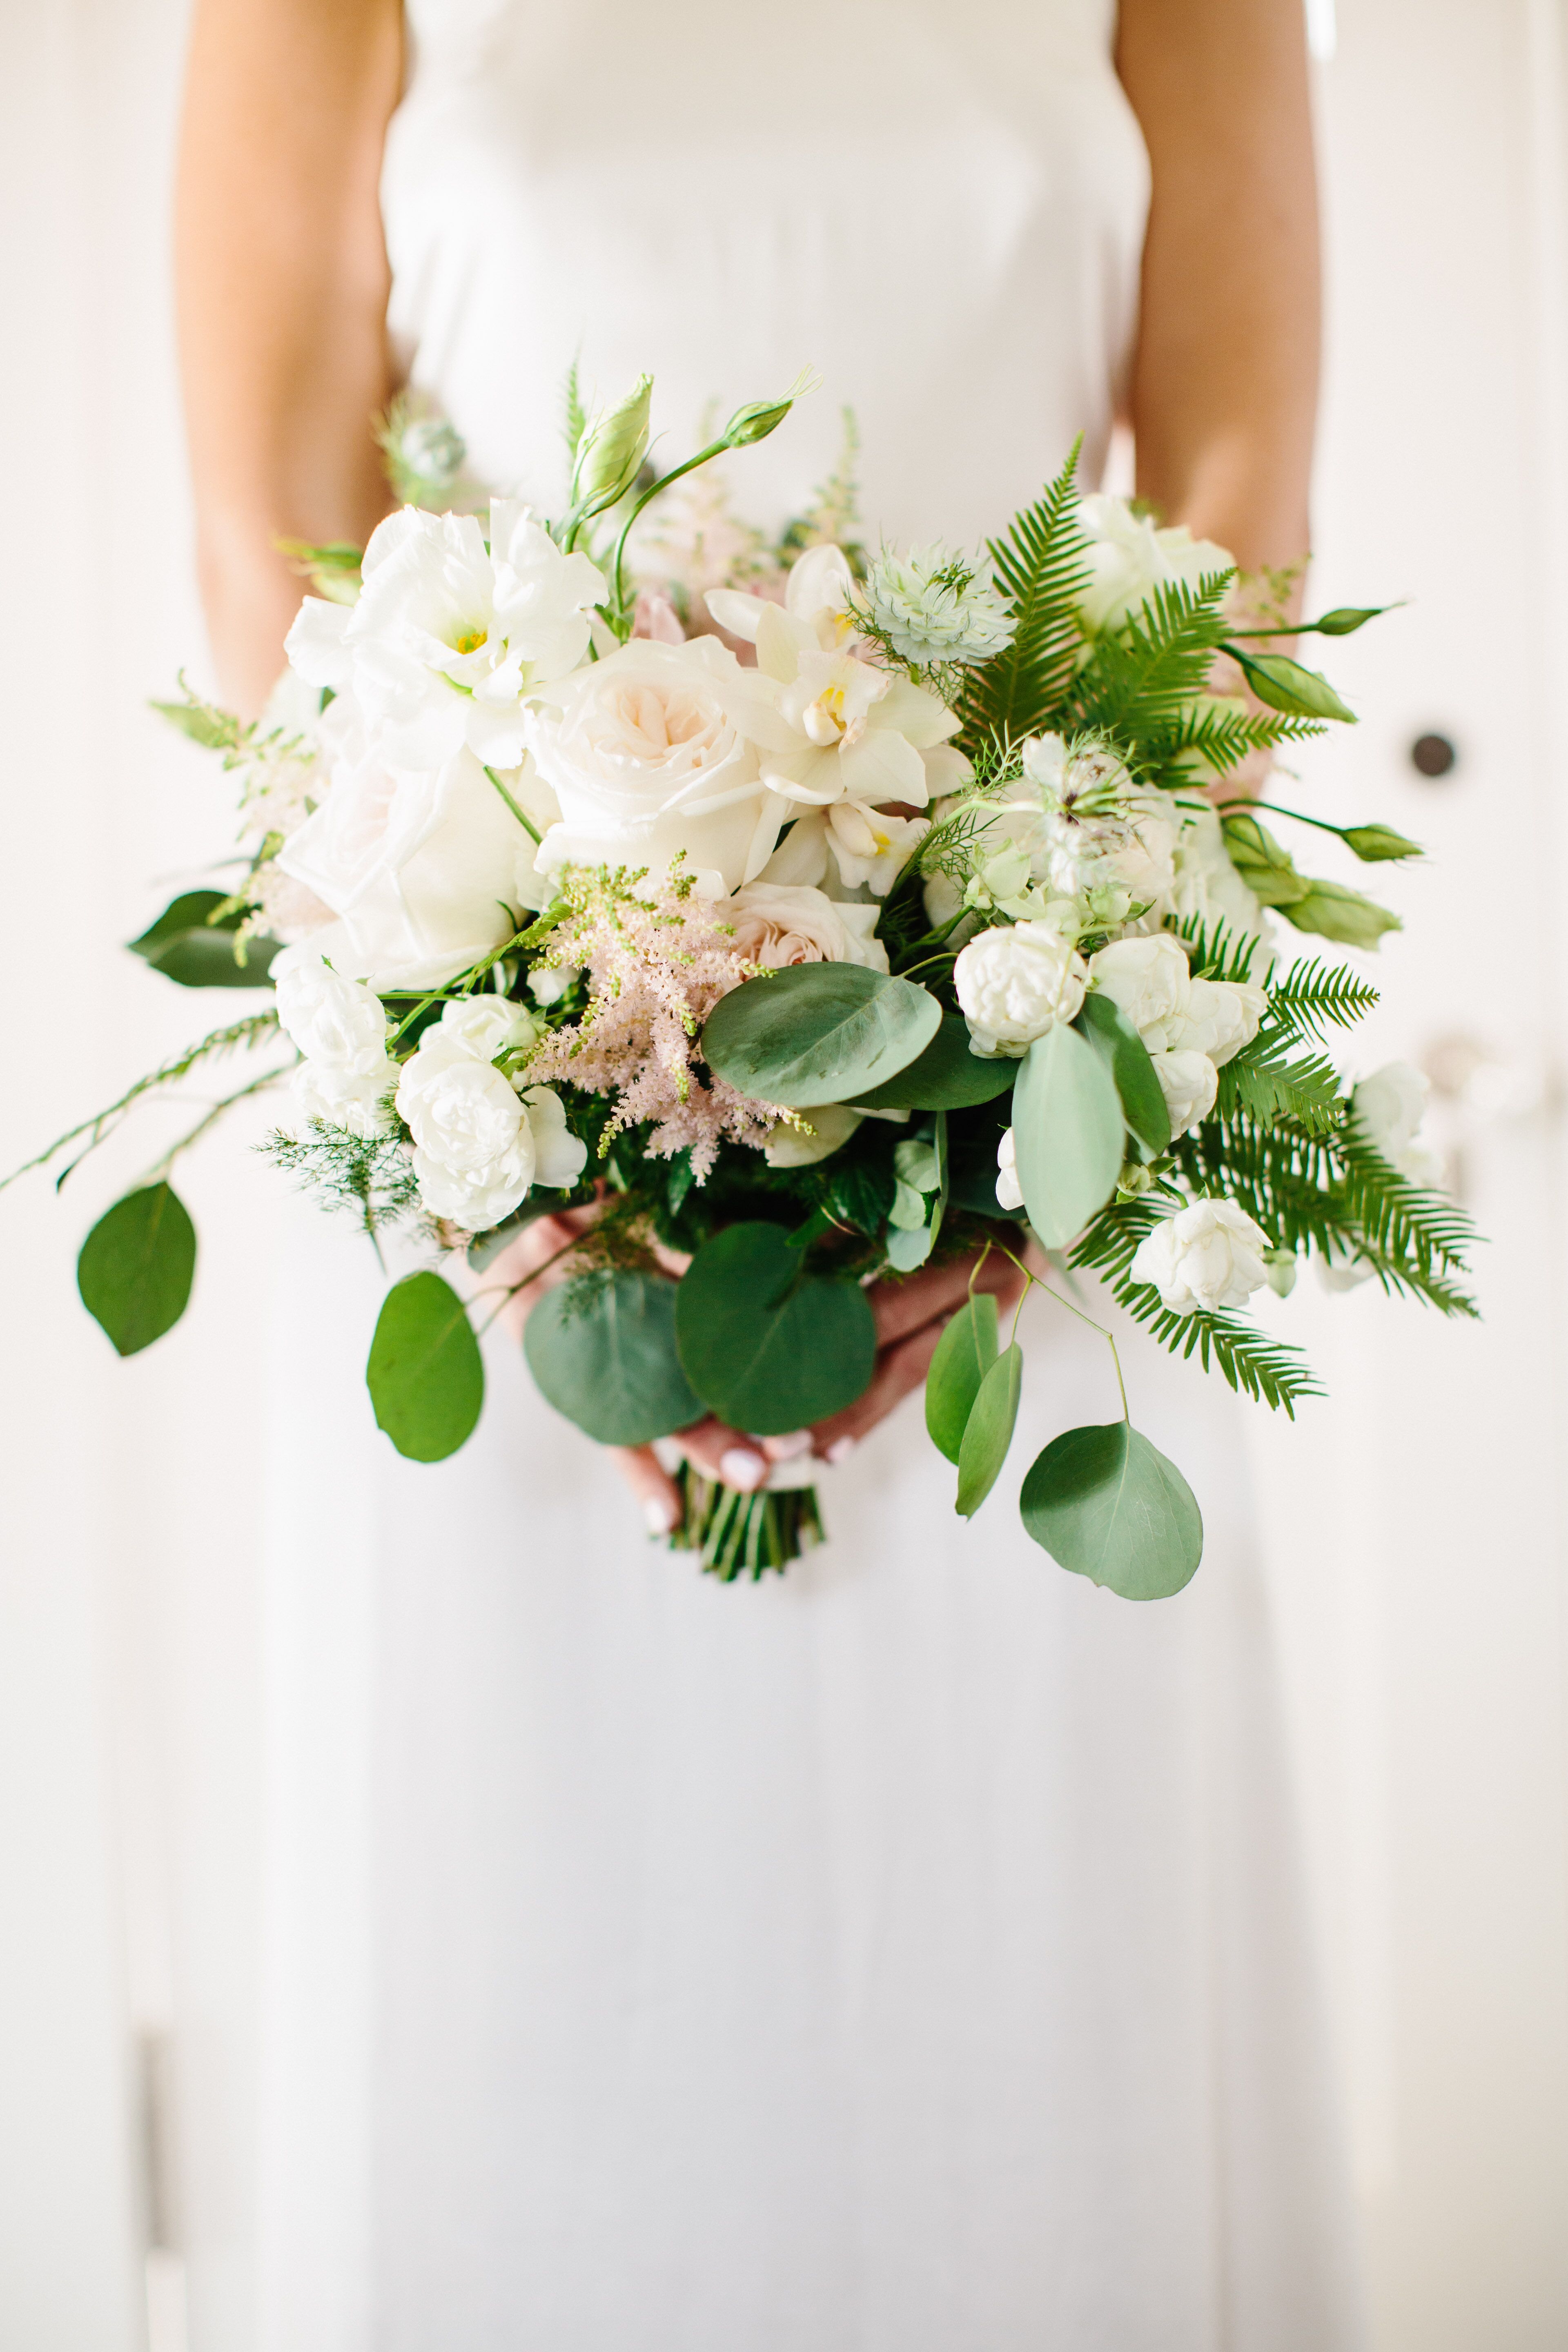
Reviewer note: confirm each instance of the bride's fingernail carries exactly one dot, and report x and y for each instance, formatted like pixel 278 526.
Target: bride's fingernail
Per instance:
pixel 787 1449
pixel 840 1450
pixel 661 1513
pixel 740 1467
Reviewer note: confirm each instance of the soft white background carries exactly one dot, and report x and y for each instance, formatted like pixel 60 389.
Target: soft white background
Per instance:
pixel 1415 1526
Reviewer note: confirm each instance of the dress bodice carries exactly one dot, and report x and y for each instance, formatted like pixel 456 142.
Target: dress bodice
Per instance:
pixel 940 210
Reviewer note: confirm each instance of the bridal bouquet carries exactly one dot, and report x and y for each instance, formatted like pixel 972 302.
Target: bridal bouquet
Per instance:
pixel 809 914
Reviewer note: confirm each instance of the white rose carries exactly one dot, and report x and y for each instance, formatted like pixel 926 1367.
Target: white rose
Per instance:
pixel 334 1022
pixel 1189 1083
pixel 776 925
pixel 1014 984
pixel 1221 1017
pixel 355 1101
pixel 1009 1192
pixel 1209 1255
pixel 1151 981
pixel 419 869
pixel 488 1026
pixel 827 1127
pixel 646 756
pixel 1388 1107
pixel 475 1156
pixel 1130 558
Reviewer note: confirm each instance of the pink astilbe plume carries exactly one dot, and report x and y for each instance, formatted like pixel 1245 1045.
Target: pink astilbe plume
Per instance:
pixel 658 962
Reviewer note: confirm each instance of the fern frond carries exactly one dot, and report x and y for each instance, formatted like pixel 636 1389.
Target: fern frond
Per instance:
pixel 1141 679
pixel 1264 1084
pixel 1314 997
pixel 1397 1219
pixel 1222 735
pixel 1219 954
pixel 1040 568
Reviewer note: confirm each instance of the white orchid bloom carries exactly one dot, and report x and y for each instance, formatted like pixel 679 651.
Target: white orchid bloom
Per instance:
pixel 829 726
pixel 450 636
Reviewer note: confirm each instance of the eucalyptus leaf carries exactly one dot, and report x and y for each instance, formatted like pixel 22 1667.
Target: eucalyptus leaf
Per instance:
pixel 425 1376
pixel 946 1076
pixel 484 1248
pixel 135 1267
pixel 988 1431
pixel 965 1354
pixel 1067 1134
pixel 1281 684
pixel 186 945
pixel 817 1032
pixel 908 1246
pixel 1127 1058
pixel 768 1344
pixel 602 1351
pixel 907 1213
pixel 1108 1506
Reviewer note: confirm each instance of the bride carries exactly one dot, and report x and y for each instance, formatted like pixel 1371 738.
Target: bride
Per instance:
pixel 903 1956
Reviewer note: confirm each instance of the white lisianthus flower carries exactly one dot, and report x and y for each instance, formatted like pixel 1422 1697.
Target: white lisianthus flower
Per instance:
pixel 775 925
pixel 1189 1083
pixel 1210 1255
pixel 1388 1109
pixel 931 607
pixel 1009 1192
pixel 648 755
pixel 1014 984
pixel 827 1127
pixel 1220 1017
pixel 1130 558
pixel 419 869
pixel 1151 981
pixel 448 636
pixel 478 1147
pixel 360 1103
pixel 338 1023
pixel 829 726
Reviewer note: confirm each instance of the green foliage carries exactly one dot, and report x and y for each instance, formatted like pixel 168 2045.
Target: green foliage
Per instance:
pixel 1264 1084
pixel 988 1431
pixel 425 1376
pixel 136 1267
pixel 1108 1504
pixel 767 1345
pixel 574 414
pixel 603 1351
pixel 965 1354
pixel 333 571
pixel 1375 843
pixel 369 1175
pixel 1281 684
pixel 203 722
pixel 945 1077
pixel 1269 872
pixel 817 1032
pixel 1336 913
pixel 1040 568
pixel 1068 1129
pixel 1139 687
pixel 1132 1072
pixel 1313 998
pixel 196 941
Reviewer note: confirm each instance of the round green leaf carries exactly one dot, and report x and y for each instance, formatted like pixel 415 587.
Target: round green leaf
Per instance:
pixel 186 947
pixel 946 1076
pixel 965 1354
pixel 767 1346
pixel 817 1032
pixel 425 1376
pixel 1126 1056
pixel 988 1431
pixel 908 1246
pixel 602 1351
pixel 1108 1506
pixel 1067 1134
pixel 135 1268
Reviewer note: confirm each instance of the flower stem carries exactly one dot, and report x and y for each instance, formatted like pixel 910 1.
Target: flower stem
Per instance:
pixel 528 826
pixel 1071 1309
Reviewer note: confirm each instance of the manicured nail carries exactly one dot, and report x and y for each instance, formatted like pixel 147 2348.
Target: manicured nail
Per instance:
pixel 787 1449
pixel 841 1449
pixel 661 1512
pixel 740 1467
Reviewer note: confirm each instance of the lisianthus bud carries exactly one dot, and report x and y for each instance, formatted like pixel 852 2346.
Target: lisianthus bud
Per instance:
pixel 613 446
pixel 434 450
pixel 756 422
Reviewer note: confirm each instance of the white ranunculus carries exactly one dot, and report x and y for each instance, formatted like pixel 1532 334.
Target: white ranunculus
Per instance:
pixel 1189 1083
pixel 1220 1018
pixel 830 1127
pixel 448 636
pixel 1130 558
pixel 336 1023
pixel 1211 1255
pixel 775 925
pixel 1014 984
pixel 1151 981
pixel 357 1101
pixel 647 757
pixel 419 869
pixel 1388 1109
pixel 1009 1192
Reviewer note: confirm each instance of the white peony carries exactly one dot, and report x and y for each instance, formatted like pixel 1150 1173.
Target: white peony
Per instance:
pixel 419 869
pixel 647 757
pixel 1130 558
pixel 1009 1192
pixel 336 1023
pixel 776 925
pixel 1210 1255
pixel 1221 1016
pixel 1151 981
pixel 1388 1109
pixel 1189 1082
pixel 1014 983
pixel 448 636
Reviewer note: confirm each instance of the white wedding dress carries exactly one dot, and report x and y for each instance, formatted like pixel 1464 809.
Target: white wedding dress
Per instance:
pixel 905 1955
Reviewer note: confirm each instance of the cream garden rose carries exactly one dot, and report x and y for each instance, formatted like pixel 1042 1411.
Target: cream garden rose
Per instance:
pixel 1014 983
pixel 775 924
pixel 1210 1255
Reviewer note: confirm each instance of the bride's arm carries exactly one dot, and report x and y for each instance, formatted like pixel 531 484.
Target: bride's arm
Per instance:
pixel 282 284
pixel 1224 387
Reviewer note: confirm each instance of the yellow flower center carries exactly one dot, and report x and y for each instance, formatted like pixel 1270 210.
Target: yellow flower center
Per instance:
pixel 468 641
